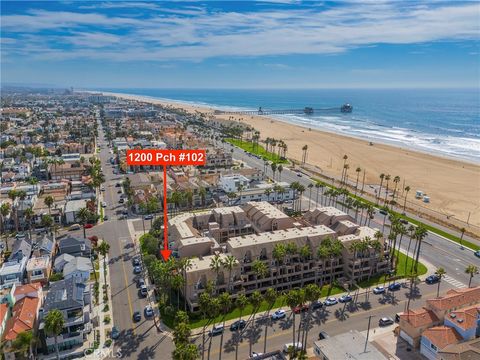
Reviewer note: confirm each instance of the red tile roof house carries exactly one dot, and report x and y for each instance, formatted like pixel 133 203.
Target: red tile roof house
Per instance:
pixel 28 301
pixel 414 322
pixel 437 338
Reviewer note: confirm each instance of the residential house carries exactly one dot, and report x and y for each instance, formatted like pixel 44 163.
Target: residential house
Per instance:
pixel 72 208
pixel 13 272
pixel 468 350
pixel 79 268
pixel 437 338
pixel 73 299
pixel 74 246
pixel 38 269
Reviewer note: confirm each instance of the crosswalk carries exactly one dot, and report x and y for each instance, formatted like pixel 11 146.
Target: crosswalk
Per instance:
pixel 454 282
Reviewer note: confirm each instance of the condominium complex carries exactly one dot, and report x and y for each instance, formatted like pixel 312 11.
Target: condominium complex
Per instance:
pixel 253 231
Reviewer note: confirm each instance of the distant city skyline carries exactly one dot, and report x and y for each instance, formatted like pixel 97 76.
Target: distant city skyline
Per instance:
pixel 268 44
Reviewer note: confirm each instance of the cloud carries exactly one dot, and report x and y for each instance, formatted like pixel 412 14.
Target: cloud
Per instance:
pixel 195 33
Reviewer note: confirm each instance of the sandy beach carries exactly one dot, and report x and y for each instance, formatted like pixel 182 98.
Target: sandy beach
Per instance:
pixel 452 185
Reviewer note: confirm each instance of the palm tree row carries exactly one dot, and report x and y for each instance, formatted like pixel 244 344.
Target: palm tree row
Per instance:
pixel 300 189
pixel 277 147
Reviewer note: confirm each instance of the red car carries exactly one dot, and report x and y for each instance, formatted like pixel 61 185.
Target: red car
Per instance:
pixel 299 309
pixel 88 226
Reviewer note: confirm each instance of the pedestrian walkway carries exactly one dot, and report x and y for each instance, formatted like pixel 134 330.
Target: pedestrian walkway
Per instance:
pixel 452 281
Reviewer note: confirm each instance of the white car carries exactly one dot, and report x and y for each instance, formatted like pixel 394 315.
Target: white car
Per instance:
pixel 279 314
pixel 379 290
pixel 331 301
pixel 104 204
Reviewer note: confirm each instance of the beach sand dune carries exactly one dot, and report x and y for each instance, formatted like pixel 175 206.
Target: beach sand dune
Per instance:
pixel 452 185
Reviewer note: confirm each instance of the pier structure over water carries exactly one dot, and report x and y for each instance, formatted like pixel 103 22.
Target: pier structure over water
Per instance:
pixel 346 108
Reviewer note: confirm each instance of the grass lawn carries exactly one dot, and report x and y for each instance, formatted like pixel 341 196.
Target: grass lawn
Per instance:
pixel 196 320
pixel 258 150
pixel 92 276
pixel 402 271
pixel 101 213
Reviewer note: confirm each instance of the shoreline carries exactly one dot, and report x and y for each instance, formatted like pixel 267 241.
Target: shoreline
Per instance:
pixel 436 175
pixel 210 108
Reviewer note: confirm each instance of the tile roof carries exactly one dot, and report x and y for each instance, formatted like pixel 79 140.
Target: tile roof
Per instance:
pixel 27 289
pixel 23 318
pixel 441 336
pixel 455 298
pixel 3 311
pixel 469 350
pixel 465 318
pixel 420 317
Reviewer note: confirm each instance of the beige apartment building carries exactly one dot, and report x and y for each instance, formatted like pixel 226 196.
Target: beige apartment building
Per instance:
pixel 251 232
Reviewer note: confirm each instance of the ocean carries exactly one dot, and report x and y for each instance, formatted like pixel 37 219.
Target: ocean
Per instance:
pixel 441 122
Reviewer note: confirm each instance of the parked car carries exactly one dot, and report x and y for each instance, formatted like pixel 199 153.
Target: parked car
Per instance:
pixel 238 325
pixel 385 321
pixel 104 204
pixel 379 290
pixel 137 316
pixel 136 261
pixel 105 217
pixel 140 282
pixel 279 314
pixel 148 217
pixel 118 185
pixel 345 298
pixel 114 334
pixel 432 279
pixel 477 253
pixel 383 212
pixel 88 226
pixel 217 330
pixel 121 201
pixel 148 311
pixel 137 270
pixel 331 301
pixel 394 286
pixel 74 227
pixel 102 188
pixel 122 217
pixel 143 291
pixel 300 308
pixel 404 221
pixel 323 335
pixel 256 355
pixel 316 305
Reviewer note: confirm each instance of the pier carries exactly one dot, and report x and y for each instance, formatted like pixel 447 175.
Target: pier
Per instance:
pixel 346 108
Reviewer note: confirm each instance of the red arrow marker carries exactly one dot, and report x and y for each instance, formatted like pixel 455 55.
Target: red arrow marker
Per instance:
pixel 165 251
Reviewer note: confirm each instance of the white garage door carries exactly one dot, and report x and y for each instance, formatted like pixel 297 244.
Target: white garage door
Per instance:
pixel 406 337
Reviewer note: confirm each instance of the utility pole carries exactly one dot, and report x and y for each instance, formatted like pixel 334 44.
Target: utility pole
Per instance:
pixel 368 332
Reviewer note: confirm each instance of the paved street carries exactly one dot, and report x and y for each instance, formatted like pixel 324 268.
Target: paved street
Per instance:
pixel 137 340
pixel 143 341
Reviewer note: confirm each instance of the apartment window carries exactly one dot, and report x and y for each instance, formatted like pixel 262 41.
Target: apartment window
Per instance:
pixel 37 272
pixel 434 348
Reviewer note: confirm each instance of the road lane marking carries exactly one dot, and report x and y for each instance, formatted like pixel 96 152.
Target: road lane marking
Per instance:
pixel 128 294
pixel 284 332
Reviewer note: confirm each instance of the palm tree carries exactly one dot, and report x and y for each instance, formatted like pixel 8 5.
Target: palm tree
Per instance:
pixel 411 235
pixel 267 192
pixel 382 176
pixel 420 234
pixel 4 212
pixel 49 200
pixel 103 249
pixel 54 323
pixel 270 297
pixel 304 156
pixel 204 302
pixel 407 189
pixel 12 195
pixel 47 222
pixel 274 168
pixel 312 293
pixel 225 301
pixel 318 185
pixel 323 254
pixel 301 190
pixel 229 263
pixel 260 270
pixel 471 270
pixel 441 273
pixel 293 298
pixel 84 215
pixel 336 248
pixel 241 303
pixel 462 230
pixel 23 343
pixel 280 169
pixel 357 170
pixel 29 214
pixel 215 264
pixel 396 180
pixel 203 194
pixel 387 179
pixel 184 265
pixel 255 300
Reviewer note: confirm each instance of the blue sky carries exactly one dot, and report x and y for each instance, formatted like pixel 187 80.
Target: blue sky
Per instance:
pixel 232 44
